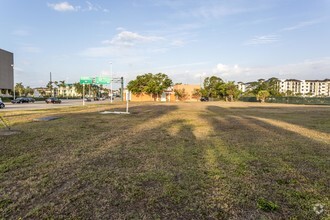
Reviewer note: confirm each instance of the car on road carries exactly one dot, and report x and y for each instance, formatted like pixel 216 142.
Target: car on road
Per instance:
pixel 2 105
pixel 99 99
pixel 53 100
pixel 204 99
pixel 31 99
pixel 22 100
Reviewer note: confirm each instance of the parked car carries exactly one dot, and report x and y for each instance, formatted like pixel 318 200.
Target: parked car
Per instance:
pixel 20 100
pixel 31 99
pixel 204 99
pixel 99 98
pixel 2 105
pixel 53 100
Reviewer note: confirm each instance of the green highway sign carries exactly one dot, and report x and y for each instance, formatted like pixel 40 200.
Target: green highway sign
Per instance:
pixel 86 80
pixel 102 80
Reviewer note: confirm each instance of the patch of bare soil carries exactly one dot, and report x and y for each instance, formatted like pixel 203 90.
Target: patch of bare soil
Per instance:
pixel 6 132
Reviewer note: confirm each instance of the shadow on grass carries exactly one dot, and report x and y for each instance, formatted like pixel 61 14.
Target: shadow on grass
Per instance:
pixel 158 163
pixel 145 165
pixel 266 161
pixel 311 117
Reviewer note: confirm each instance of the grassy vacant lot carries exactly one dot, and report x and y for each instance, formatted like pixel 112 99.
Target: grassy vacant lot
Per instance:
pixel 211 160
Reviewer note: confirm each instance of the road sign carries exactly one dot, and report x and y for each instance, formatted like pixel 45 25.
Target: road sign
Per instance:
pixel 102 80
pixel 86 80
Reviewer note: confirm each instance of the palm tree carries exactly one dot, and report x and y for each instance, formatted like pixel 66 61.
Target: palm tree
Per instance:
pixel 62 85
pixel 50 87
pixel 56 84
pixel 19 88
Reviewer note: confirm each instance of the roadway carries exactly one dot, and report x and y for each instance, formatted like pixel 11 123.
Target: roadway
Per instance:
pixel 44 105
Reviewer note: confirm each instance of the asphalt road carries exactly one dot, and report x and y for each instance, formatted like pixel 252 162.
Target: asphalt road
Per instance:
pixel 44 105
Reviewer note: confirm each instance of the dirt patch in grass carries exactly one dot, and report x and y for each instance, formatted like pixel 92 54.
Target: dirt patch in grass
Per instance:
pixel 211 160
pixel 7 132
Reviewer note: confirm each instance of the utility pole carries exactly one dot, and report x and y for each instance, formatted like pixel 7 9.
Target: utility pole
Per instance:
pixel 122 88
pixel 12 65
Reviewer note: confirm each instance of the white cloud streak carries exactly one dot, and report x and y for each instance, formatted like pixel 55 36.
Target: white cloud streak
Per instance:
pixel 214 11
pixel 273 38
pixel 266 39
pixel 127 38
pixel 306 69
pixel 301 25
pixel 63 6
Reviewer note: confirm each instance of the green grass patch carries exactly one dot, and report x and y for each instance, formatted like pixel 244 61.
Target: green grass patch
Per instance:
pixel 211 160
pixel 267 206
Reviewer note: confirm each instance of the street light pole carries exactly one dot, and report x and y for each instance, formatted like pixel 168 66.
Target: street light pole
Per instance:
pixel 12 65
pixel 111 93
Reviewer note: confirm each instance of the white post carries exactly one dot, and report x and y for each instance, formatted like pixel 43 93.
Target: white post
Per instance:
pixel 84 94
pixel 127 98
pixel 111 82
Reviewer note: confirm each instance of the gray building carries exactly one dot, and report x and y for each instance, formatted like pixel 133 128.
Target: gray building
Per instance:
pixel 6 70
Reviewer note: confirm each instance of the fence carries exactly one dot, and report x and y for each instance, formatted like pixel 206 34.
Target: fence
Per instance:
pixel 292 100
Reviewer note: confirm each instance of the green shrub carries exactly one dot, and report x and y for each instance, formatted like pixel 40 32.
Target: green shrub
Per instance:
pixel 266 205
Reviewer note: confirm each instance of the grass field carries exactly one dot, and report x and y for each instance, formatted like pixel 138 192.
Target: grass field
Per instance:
pixel 211 160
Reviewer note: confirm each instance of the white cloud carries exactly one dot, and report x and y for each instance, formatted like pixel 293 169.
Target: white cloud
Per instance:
pixel 63 6
pixel 266 39
pixel 214 11
pixel 227 70
pixel 127 38
pixel 273 38
pixel 302 25
pixel 306 69
pixel 93 7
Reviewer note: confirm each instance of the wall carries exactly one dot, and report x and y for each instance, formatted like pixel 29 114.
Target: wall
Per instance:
pixel 6 70
pixel 189 90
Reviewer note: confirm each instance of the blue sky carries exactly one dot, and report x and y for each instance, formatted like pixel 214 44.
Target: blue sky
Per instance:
pixel 240 40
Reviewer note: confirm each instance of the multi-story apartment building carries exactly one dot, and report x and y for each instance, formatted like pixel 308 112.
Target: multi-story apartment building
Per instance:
pixel 305 87
pixel 242 86
pixel 68 91
pixel 297 87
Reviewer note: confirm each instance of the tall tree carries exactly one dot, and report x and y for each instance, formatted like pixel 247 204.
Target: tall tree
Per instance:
pixel 181 94
pixel 28 90
pixel 213 87
pixel 19 88
pixel 231 91
pixel 79 88
pixel 197 93
pixel 50 87
pixel 152 84
pixel 61 84
pixel 262 95
pixel 273 86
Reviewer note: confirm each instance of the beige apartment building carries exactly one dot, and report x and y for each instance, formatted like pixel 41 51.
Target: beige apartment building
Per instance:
pixel 68 91
pixel 311 88
pixel 305 87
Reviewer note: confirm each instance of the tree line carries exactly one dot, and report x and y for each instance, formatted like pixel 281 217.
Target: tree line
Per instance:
pixel 53 87
pixel 156 84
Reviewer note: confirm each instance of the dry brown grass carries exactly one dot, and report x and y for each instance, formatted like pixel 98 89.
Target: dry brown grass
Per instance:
pixel 211 160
